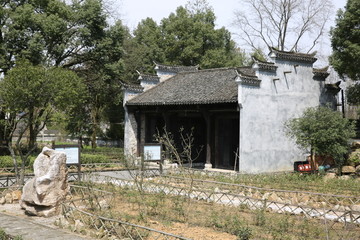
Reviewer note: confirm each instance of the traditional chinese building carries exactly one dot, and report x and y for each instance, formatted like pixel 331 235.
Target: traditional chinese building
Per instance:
pixel 238 114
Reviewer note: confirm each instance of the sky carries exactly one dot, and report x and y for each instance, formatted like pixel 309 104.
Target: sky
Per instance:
pixel 131 12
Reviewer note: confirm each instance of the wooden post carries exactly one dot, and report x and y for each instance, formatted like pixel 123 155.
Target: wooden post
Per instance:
pixel 208 139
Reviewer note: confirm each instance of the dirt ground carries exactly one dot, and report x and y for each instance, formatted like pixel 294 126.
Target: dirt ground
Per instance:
pixel 182 229
pixel 196 233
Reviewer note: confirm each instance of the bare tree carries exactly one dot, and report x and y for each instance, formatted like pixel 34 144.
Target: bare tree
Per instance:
pixel 288 25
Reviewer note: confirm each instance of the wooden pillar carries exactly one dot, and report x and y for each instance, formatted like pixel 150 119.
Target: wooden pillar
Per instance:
pixel 207 117
pixel 138 132
pixel 142 132
pixel 166 118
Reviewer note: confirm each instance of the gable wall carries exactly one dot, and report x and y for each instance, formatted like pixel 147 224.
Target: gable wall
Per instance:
pixel 264 147
pixel 130 126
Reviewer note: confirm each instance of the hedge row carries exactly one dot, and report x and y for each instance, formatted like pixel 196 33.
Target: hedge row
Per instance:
pixel 7 161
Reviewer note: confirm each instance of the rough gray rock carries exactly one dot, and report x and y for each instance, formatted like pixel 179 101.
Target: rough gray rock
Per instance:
pixel 329 176
pixel 43 194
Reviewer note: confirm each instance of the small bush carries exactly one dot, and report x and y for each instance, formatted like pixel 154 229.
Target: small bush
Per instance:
pixel 243 233
pixel 259 217
pixel 4 236
pixel 6 162
pixel 354 158
pixel 93 158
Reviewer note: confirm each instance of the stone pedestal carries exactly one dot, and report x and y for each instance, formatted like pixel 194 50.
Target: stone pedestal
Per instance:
pixel 208 166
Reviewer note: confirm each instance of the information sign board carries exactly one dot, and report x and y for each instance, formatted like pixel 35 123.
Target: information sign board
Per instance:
pixel 72 153
pixel 152 152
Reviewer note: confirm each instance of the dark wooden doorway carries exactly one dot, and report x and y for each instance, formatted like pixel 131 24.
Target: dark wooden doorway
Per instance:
pixel 227 143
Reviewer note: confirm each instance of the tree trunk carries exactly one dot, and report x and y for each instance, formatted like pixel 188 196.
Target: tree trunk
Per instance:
pixel 4 135
pixel 12 153
pixel 312 160
pixel 93 139
pixel 95 126
pixel 32 132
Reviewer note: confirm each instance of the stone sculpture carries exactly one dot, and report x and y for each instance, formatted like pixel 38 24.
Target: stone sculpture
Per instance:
pixel 42 195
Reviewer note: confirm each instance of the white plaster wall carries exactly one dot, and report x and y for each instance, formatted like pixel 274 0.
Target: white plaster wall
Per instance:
pixel 130 131
pixel 148 84
pixel 264 147
pixel 164 75
pixel 130 142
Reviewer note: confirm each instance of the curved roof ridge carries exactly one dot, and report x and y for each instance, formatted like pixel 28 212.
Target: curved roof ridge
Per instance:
pixel 293 56
pixel 261 61
pixel 176 68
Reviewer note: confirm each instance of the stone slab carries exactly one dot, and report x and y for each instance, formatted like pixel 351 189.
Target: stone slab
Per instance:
pixel 15 226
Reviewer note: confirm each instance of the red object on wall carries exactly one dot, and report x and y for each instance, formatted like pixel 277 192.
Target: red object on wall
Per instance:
pixel 304 168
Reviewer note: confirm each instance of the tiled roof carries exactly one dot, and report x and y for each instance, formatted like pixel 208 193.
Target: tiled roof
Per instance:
pixel 175 69
pixel 265 66
pixel 200 87
pixel 246 71
pixel 321 72
pixel 248 77
pixel 293 56
pixel 335 87
pixel 150 78
pixel 132 87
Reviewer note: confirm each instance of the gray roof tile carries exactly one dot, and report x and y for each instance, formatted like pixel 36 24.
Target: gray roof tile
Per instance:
pixel 175 68
pixel 200 87
pixel 294 56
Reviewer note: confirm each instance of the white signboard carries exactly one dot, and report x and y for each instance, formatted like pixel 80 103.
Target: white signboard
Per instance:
pixel 152 152
pixel 72 153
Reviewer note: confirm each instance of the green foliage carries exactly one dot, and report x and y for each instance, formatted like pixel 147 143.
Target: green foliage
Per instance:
pixel 68 34
pixel 49 31
pixel 4 236
pixel 354 158
pixel 345 41
pixel 6 162
pixel 187 37
pixel 101 76
pixel 323 130
pixel 259 217
pixel 94 158
pixel 31 94
pixel 190 38
pixel 243 233
pixel 143 49
pixel 353 95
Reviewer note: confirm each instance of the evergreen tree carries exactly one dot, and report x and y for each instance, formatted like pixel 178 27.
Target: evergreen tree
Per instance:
pixel 345 41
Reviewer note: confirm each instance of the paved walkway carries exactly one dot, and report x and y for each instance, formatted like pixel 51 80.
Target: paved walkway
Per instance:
pixel 29 230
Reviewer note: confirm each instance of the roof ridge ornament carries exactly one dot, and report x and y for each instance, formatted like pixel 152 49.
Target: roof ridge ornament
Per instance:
pixel 247 78
pixel 175 68
pixel 321 73
pixel 263 65
pixel 292 56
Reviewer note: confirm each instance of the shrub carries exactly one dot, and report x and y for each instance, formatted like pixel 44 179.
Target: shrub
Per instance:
pixel 354 158
pixel 323 131
pixel 6 162
pixel 93 158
